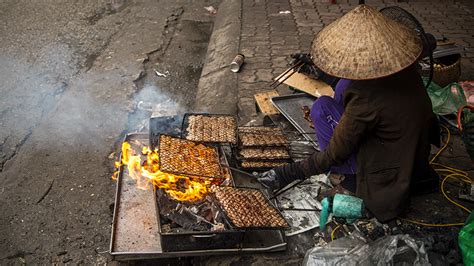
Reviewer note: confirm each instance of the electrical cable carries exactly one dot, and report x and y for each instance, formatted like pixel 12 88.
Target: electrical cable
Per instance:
pixel 444 146
pixel 453 172
pixel 334 231
pixel 460 177
pixel 431 225
pixel 449 199
pixel 451 168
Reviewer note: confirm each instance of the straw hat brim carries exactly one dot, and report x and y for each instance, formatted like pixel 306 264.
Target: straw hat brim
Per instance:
pixel 364 44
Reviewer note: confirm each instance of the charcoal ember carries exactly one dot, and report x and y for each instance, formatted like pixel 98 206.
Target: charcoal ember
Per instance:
pixel 178 216
pixel 187 220
pixel 211 128
pixel 248 208
pixel 166 204
pixel 204 210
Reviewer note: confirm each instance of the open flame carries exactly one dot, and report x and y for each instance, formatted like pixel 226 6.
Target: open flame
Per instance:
pixel 144 172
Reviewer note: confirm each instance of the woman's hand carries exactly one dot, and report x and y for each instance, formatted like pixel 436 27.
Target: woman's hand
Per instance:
pixel 270 180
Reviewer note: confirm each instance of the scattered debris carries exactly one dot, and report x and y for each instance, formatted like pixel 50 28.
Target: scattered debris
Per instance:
pixel 302 199
pixel 211 10
pixel 467 194
pixel 46 192
pixel 264 103
pixel 354 250
pixel 237 63
pixel 145 106
pixel 175 15
pixel 64 252
pixel 159 74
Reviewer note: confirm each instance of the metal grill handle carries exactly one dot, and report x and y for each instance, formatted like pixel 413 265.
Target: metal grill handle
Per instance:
pixel 204 236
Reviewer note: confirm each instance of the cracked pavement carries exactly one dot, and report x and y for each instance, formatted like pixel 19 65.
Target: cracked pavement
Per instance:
pixel 70 76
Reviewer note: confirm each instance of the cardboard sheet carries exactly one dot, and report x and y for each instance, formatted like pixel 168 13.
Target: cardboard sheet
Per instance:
pixel 306 84
pixel 264 103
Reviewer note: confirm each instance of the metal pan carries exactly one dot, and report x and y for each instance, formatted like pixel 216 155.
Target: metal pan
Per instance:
pixel 290 107
pixel 133 204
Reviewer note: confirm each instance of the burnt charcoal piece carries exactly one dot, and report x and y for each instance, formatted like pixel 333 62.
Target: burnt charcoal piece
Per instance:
pixel 248 208
pixel 211 128
pixel 178 216
pixel 187 157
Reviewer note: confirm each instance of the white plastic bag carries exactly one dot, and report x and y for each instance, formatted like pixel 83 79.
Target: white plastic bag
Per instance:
pixel 388 250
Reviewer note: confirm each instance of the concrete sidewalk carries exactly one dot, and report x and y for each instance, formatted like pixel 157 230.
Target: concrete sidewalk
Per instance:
pixel 269 36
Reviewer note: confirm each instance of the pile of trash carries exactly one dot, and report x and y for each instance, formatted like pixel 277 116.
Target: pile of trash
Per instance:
pixel 356 250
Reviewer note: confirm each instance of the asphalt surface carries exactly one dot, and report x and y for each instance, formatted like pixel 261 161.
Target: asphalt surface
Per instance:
pixel 72 74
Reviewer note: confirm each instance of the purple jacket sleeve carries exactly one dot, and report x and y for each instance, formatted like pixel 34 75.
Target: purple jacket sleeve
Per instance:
pixel 358 118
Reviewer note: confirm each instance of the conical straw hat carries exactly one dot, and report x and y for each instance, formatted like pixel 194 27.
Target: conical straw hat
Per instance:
pixel 364 44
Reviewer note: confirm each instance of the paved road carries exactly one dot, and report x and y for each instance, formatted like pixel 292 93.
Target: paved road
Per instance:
pixel 71 73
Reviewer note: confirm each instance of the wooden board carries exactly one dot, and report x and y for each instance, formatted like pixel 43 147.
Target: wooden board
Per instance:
pixel 264 104
pixel 306 84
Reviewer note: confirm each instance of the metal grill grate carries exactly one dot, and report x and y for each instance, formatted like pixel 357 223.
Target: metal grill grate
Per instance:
pixel 210 128
pixel 186 157
pixel 262 136
pixel 249 208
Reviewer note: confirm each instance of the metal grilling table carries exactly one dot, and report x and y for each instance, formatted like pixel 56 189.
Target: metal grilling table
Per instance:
pixel 136 228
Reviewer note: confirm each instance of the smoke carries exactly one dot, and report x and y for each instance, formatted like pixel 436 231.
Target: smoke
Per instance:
pixel 29 90
pixel 160 103
pixel 90 109
pixel 152 101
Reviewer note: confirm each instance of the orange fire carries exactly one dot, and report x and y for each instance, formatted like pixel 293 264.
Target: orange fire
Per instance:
pixel 144 172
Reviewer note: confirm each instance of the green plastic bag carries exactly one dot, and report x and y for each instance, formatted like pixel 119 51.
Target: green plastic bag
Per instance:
pixel 466 241
pixel 446 100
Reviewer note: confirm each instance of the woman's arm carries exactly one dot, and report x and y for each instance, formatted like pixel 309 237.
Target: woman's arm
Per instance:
pixel 359 117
